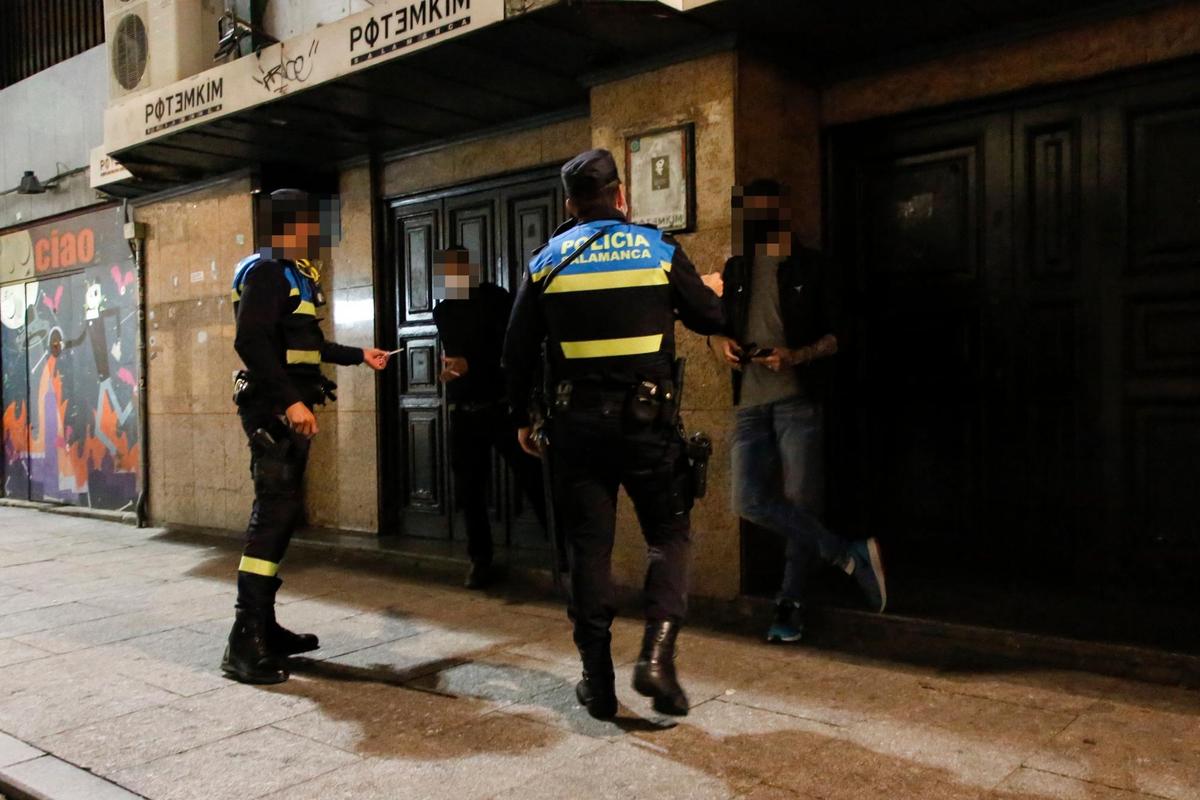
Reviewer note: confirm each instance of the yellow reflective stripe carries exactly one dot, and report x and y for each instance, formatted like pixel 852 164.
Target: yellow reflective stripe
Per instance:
pixel 603 348
pixel 258 566
pixel 294 292
pixel 616 279
pixel 236 295
pixel 304 356
pixel 665 265
pixel 306 307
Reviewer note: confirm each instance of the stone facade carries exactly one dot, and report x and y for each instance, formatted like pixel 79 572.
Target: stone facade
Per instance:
pixel 198 459
pixel 752 118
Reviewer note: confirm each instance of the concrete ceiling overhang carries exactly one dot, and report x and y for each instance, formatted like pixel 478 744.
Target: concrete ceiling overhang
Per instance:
pixel 535 59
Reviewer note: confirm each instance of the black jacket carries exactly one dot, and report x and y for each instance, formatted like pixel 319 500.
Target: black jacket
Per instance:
pixel 601 314
pixel 268 325
pixel 807 303
pixel 474 329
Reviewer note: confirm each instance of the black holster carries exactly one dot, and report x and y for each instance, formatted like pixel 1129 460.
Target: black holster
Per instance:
pixel 276 469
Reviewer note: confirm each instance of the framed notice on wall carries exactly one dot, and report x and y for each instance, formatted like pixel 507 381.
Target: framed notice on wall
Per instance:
pixel 661 185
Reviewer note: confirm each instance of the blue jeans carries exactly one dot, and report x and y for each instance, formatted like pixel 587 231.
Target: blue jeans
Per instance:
pixel 779 483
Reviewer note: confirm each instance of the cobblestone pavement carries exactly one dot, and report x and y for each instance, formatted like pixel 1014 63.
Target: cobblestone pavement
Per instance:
pixel 110 638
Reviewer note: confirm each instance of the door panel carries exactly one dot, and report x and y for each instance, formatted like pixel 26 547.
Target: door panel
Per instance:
pixel 531 213
pixel 419 239
pixel 1151 170
pixel 926 205
pixel 500 224
pixel 1057 279
pixel 472 222
pixel 1019 392
pixel 423 472
pixel 424 444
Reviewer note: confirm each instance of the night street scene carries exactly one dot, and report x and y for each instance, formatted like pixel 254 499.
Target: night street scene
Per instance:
pixel 619 399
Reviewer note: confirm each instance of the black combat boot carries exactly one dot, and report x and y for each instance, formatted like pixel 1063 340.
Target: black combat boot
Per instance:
pixel 248 658
pixel 597 691
pixel 654 674
pixel 280 640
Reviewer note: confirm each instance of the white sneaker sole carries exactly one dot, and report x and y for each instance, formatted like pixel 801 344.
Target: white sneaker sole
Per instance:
pixel 877 569
pixel 784 639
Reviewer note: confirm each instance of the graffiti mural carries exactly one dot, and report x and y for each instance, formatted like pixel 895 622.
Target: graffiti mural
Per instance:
pixel 69 364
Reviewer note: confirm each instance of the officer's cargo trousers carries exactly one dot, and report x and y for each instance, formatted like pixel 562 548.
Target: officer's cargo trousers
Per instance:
pixel 278 473
pixel 594 451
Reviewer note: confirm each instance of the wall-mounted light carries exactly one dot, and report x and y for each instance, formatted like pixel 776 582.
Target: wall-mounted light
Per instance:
pixel 30 184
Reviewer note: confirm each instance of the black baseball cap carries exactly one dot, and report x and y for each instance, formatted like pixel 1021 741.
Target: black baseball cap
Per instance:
pixel 588 173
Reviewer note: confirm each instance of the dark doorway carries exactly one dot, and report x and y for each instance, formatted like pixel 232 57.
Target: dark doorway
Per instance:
pixel 500 222
pixel 1017 414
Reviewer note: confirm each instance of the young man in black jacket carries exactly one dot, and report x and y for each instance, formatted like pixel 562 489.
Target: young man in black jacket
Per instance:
pixel 471 318
pixel 780 307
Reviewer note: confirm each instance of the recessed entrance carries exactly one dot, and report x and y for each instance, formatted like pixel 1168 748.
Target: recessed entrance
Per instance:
pixel 500 222
pixel 1017 412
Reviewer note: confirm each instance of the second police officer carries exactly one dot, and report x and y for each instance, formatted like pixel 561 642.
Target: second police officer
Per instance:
pixel 604 294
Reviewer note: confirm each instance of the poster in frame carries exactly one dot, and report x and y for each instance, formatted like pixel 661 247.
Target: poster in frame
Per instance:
pixel 660 175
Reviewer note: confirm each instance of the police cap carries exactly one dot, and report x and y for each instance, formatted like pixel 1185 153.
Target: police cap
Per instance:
pixel 588 173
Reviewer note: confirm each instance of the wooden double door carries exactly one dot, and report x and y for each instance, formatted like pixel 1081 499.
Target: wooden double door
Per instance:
pixel 1018 403
pixel 500 222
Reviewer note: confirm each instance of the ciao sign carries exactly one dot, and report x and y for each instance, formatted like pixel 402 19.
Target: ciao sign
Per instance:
pixel 95 237
pixel 64 249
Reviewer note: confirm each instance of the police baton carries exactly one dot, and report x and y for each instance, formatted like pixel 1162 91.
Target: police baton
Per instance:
pixel 541 437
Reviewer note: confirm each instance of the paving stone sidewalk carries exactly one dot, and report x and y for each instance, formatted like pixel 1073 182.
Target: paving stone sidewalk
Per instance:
pixel 110 637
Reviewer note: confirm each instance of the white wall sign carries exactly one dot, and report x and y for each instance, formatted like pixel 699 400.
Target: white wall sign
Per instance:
pixel 390 29
pixel 659 182
pixel 106 169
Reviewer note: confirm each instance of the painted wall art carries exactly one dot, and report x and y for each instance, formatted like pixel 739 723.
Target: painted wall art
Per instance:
pixel 69 360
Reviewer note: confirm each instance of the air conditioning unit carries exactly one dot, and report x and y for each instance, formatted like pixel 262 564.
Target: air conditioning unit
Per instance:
pixel 152 43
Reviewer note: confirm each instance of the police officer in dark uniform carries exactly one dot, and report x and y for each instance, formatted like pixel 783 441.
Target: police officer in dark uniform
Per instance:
pixel 276 294
pixel 604 295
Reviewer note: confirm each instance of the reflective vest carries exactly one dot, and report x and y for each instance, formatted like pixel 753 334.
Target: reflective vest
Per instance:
pixel 608 311
pixel 302 337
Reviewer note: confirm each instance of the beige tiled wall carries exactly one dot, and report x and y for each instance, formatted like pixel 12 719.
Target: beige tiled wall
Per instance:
pixel 198 459
pixel 343 472
pixel 779 136
pixel 1168 31
pixel 484 158
pixel 702 92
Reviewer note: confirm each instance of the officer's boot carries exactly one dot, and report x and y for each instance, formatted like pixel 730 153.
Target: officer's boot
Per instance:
pixel 597 691
pixel 280 640
pixel 654 674
pixel 248 657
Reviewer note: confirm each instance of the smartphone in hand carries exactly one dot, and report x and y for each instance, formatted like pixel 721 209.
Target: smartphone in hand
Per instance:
pixel 751 351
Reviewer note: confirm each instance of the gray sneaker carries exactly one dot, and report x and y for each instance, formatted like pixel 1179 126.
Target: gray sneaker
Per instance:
pixel 866 567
